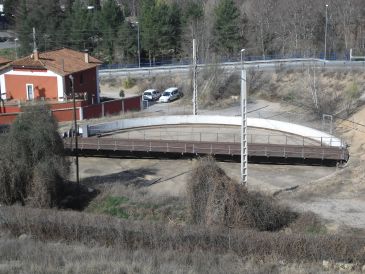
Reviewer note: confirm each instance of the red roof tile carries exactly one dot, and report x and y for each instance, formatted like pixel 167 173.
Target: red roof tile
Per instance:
pixel 63 61
pixel 4 60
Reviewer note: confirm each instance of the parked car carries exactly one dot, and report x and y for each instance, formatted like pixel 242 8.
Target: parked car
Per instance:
pixel 151 95
pixel 169 95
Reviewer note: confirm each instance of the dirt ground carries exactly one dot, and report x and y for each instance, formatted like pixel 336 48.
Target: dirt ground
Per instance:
pixel 336 194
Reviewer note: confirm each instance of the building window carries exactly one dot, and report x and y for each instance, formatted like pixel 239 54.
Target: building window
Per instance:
pixel 81 78
pixel 30 91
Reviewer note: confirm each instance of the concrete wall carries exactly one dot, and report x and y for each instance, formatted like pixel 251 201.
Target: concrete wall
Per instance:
pixel 290 128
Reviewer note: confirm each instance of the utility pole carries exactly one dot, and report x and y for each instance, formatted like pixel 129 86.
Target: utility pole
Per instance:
pixel 195 82
pixel 325 35
pixel 16 48
pixel 138 45
pixel 244 151
pixel 76 129
pixel 34 40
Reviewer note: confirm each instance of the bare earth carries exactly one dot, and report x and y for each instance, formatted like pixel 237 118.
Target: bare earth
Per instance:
pixel 336 194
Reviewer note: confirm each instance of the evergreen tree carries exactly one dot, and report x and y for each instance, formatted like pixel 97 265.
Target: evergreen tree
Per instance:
pixel 110 19
pixel 160 25
pixel 45 17
pixel 127 43
pixel 10 7
pixel 148 28
pixel 78 24
pixel 24 29
pixel 226 35
pixel 193 14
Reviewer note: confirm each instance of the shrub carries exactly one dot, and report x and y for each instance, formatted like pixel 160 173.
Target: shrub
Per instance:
pixel 32 159
pixel 121 93
pixel 129 82
pixel 214 199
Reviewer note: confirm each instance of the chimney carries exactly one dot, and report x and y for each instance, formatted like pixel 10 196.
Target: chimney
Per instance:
pixel 86 55
pixel 35 55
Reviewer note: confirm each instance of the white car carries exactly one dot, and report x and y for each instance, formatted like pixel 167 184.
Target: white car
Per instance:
pixel 169 95
pixel 151 95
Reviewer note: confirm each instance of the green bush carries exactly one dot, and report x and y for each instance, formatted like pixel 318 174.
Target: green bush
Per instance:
pixel 121 93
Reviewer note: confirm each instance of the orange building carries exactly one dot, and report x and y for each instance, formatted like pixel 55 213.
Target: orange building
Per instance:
pixel 47 76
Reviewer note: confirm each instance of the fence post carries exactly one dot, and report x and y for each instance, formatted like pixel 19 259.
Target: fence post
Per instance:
pixel 115 145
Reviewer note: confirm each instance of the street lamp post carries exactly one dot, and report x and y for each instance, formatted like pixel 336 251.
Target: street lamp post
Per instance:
pixel 138 45
pixel 325 34
pixel 76 130
pixel 243 123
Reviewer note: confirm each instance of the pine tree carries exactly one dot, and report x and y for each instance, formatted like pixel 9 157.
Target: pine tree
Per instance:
pixel 24 29
pixel 110 20
pixel 127 43
pixel 226 35
pixel 160 25
pixel 78 24
pixel 148 28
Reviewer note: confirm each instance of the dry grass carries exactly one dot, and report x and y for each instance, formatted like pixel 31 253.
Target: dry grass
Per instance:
pixel 32 256
pixel 91 230
pixel 136 203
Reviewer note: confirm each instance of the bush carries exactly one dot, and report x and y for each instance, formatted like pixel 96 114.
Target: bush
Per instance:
pixel 129 82
pixel 214 199
pixel 32 159
pixel 121 93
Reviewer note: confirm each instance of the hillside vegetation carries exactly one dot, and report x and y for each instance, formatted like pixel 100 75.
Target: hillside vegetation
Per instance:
pixel 109 29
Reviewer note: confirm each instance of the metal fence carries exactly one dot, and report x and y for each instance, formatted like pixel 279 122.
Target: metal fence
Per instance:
pixel 188 60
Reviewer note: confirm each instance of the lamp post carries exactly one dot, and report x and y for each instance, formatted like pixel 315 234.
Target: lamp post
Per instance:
pixel 243 123
pixel 138 45
pixel 76 130
pixel 325 34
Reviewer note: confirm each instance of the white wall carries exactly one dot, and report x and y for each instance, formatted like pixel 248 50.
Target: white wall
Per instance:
pixel 307 132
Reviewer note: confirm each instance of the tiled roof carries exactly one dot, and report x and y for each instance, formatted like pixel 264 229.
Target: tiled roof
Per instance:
pixel 4 60
pixel 63 61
